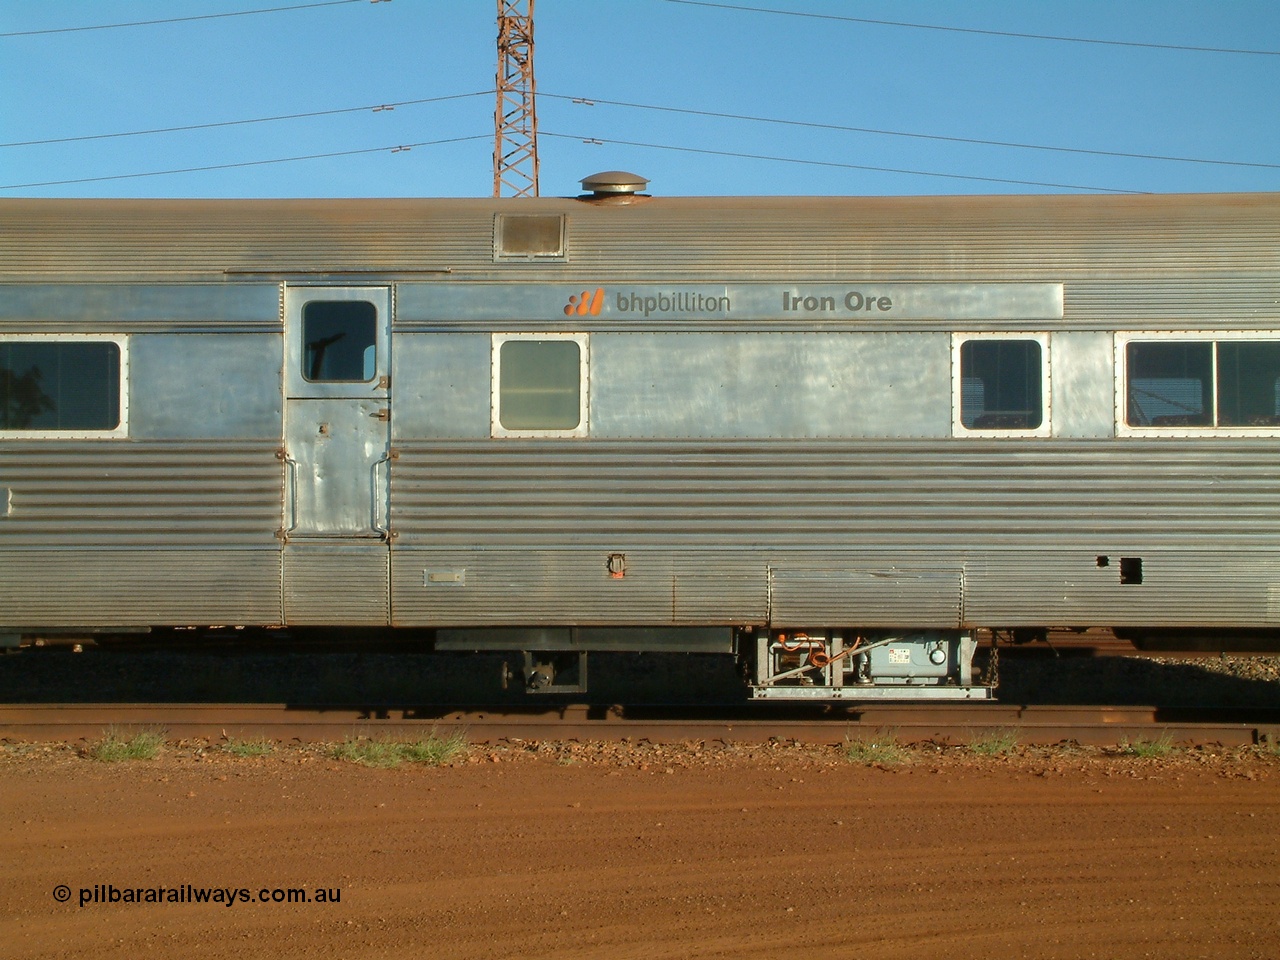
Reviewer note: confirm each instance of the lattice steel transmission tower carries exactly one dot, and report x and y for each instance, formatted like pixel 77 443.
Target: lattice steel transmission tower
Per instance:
pixel 515 147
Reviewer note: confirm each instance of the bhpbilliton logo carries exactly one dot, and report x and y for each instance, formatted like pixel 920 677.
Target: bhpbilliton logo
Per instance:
pixel 585 303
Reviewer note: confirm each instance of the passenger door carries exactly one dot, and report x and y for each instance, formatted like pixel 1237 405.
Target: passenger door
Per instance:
pixel 337 434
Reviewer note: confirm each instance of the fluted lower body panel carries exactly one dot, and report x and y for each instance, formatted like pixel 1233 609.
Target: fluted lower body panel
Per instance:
pixel 107 588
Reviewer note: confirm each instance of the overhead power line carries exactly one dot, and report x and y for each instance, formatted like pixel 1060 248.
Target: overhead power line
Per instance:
pixel 398 148
pixel 584 139
pixel 373 107
pixel 988 33
pixel 206 16
pixel 592 101
pixel 600 141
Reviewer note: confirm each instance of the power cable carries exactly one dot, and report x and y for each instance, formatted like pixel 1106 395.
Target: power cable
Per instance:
pixel 374 107
pixel 206 16
pixel 988 33
pixel 592 101
pixel 594 141
pixel 399 148
pixel 600 141
pixel 589 140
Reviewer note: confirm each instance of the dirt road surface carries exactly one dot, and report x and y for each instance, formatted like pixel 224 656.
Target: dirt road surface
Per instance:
pixel 638 851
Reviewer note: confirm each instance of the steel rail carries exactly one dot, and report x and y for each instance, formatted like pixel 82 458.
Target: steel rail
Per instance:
pixel 941 723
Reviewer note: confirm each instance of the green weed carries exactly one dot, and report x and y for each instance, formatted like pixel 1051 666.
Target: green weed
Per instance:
pixel 387 752
pixel 882 748
pixel 995 743
pixel 249 748
pixel 1160 747
pixel 118 744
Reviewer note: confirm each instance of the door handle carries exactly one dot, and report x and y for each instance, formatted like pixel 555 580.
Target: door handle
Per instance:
pixel 291 495
pixel 381 525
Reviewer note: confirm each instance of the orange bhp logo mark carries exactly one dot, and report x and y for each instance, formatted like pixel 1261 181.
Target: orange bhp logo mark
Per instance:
pixel 585 303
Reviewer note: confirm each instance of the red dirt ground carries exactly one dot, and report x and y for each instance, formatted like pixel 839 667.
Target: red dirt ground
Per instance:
pixel 644 852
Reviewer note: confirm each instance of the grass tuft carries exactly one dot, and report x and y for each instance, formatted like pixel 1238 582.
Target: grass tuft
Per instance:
pixel 995 743
pixel 434 751
pixel 249 748
pixel 882 748
pixel 118 744
pixel 437 750
pixel 1162 746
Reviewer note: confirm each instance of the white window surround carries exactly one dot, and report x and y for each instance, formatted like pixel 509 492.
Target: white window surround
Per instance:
pixel 584 367
pixel 958 429
pixel 1213 337
pixel 121 429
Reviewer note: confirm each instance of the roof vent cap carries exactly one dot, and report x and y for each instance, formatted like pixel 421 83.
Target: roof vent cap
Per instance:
pixel 614 183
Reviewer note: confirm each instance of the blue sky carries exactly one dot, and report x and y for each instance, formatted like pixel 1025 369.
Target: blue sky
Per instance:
pixel 788 71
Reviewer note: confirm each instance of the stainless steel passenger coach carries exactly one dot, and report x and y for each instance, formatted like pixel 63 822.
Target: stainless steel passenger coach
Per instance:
pixel 834 437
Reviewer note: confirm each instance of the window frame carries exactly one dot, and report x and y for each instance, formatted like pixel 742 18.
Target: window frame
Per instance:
pixel 1210 337
pixel 1045 429
pixel 502 255
pixel 294 302
pixel 120 430
pixel 496 429
pixel 374 344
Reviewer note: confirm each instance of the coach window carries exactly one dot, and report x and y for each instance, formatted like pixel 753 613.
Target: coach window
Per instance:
pixel 1248 383
pixel 339 340
pixel 60 387
pixel 1226 384
pixel 539 385
pixel 1169 384
pixel 1002 385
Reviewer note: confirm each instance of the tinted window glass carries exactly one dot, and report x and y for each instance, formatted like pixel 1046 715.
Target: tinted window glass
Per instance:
pixel 1170 384
pixel 1248 382
pixel 1000 385
pixel 59 385
pixel 339 340
pixel 539 386
pixel 531 236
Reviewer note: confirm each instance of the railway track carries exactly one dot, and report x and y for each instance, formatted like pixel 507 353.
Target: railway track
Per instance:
pixel 948 723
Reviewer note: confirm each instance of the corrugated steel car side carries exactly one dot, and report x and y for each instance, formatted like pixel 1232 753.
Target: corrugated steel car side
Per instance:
pixel 873 515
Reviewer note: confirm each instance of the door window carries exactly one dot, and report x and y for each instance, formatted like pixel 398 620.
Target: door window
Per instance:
pixel 339 341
